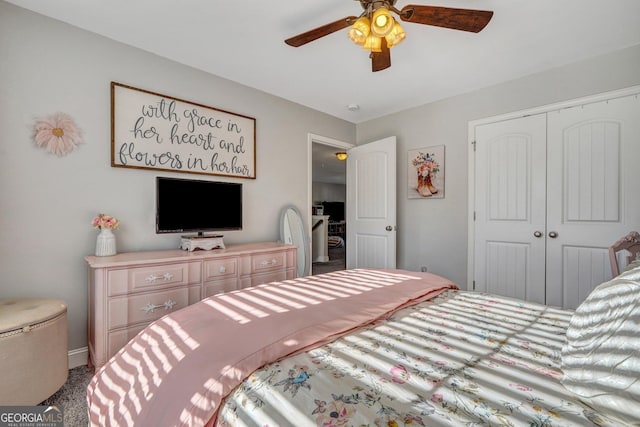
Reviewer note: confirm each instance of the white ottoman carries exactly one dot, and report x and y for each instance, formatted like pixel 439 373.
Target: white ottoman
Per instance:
pixel 33 349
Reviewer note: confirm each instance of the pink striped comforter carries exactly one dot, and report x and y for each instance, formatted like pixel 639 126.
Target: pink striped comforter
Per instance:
pixel 179 369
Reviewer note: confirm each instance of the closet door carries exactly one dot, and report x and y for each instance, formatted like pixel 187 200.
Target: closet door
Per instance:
pixel 593 196
pixel 510 185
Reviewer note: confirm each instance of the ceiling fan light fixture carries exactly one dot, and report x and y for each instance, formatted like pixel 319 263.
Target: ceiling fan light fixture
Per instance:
pixel 382 22
pixel 341 155
pixel 373 44
pixel 360 30
pixel 396 36
pixel 381 19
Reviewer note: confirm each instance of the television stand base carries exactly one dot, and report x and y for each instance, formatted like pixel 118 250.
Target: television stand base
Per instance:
pixel 207 243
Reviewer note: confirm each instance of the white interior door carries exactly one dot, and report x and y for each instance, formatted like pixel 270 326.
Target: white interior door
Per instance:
pixel 371 205
pixel 510 208
pixel 594 183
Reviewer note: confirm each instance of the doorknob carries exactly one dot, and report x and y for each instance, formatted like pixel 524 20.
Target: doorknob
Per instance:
pixel 389 228
pixel 553 234
pixel 537 233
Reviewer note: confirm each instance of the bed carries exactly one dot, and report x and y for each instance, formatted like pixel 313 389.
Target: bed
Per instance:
pixel 379 348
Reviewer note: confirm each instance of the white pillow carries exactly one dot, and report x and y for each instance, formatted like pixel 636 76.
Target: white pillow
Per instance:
pixel 632 265
pixel 601 355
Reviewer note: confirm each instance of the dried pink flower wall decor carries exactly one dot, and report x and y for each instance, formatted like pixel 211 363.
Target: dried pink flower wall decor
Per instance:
pixel 57 133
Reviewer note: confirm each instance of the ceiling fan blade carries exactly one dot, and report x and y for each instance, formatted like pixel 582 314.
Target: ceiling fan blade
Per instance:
pixel 458 19
pixel 381 60
pixel 316 33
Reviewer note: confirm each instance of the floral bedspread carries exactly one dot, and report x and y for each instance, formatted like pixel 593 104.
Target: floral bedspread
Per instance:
pixel 461 359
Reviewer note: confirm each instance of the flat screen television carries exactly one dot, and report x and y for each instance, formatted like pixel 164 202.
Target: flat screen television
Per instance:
pixel 188 206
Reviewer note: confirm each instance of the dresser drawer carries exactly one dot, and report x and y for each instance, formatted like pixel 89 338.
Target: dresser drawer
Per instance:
pixel 117 339
pixel 220 286
pixel 220 268
pixel 132 309
pixel 152 277
pixel 268 262
pixel 274 276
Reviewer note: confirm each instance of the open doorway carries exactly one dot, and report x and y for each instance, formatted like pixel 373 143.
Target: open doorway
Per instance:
pixel 328 206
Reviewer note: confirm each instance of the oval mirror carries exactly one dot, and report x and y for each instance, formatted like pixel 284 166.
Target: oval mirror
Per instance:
pixel 292 232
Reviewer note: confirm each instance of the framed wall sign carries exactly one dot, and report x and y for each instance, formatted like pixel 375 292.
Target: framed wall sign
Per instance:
pixel 154 131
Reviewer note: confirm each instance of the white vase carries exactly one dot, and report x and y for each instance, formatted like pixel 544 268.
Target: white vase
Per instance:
pixel 106 243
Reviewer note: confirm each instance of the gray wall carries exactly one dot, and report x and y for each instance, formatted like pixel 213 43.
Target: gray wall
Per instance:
pixel 433 233
pixel 47 202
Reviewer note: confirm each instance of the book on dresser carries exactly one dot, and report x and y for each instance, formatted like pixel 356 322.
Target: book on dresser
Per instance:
pixel 130 290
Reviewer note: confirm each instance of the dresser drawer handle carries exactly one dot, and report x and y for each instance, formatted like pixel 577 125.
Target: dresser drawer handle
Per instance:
pixel 266 263
pixel 152 278
pixel 149 308
pixel 222 269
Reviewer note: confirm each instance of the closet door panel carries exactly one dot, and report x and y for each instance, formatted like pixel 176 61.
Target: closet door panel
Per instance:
pixel 591 163
pixel 584 268
pixel 510 208
pixel 507 267
pixel 592 193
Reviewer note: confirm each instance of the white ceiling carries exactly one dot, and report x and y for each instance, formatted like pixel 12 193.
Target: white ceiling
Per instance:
pixel 243 41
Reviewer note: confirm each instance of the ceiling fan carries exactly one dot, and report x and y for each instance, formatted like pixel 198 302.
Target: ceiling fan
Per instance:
pixel 377 31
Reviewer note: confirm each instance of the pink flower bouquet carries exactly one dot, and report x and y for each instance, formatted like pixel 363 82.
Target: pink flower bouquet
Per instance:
pixel 105 221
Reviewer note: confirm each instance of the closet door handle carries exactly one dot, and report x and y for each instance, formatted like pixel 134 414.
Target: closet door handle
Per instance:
pixel 553 234
pixel 537 234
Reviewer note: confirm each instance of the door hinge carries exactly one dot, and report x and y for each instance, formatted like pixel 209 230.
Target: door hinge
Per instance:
pixel 474 145
pixel 474 215
pixel 474 285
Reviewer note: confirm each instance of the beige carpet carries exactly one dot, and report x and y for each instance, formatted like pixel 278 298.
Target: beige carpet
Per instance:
pixel 72 397
pixel 336 262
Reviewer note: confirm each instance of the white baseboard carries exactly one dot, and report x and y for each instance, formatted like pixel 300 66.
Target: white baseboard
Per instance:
pixel 78 357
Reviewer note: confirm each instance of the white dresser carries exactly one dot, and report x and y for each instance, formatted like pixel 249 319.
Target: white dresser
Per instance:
pixel 130 290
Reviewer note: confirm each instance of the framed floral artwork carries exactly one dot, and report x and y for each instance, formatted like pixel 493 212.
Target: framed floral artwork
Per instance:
pixel 425 173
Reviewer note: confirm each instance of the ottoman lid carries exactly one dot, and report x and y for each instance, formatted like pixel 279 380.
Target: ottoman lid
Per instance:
pixel 20 312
